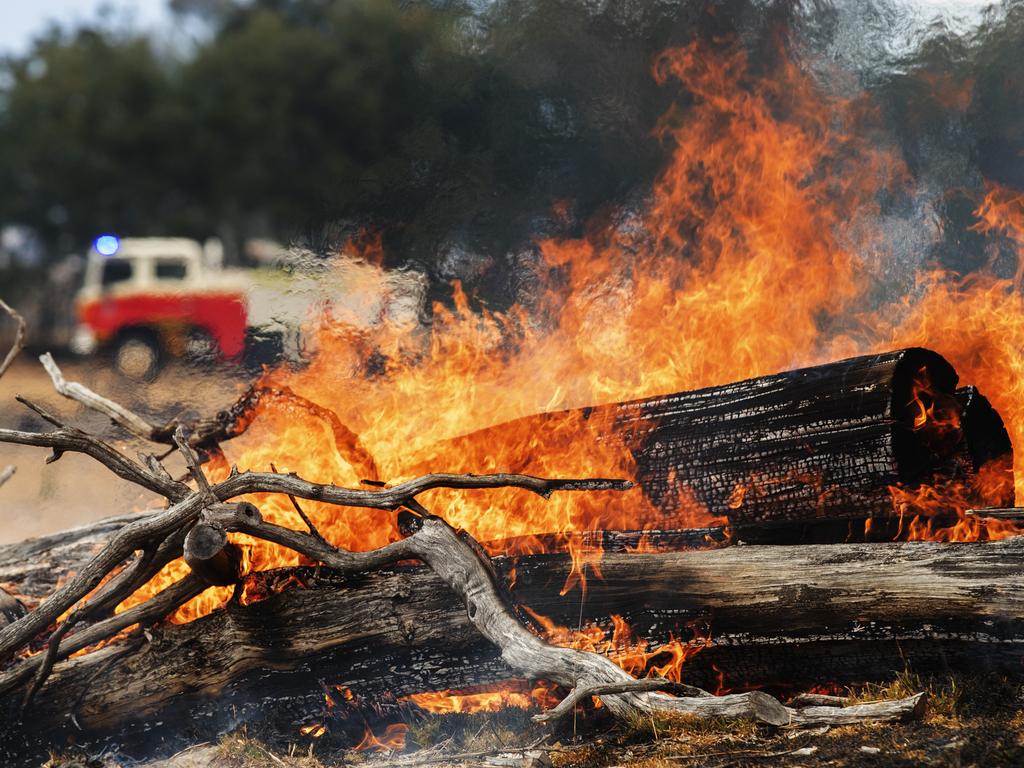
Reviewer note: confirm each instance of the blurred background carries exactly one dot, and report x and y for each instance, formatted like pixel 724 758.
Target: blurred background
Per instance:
pixel 225 155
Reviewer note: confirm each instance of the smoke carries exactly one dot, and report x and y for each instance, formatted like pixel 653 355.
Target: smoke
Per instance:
pixel 945 80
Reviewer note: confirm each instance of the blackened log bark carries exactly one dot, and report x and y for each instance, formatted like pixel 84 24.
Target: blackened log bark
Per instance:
pixel 778 615
pixel 804 446
pixel 34 567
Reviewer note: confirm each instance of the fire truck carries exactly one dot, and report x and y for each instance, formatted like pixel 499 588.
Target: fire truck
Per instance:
pixel 148 300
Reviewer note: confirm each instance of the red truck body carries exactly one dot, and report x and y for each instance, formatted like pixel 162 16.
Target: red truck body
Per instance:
pixel 147 299
pixel 221 314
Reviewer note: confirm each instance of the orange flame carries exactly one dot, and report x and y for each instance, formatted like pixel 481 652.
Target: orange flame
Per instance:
pixel 756 251
pixel 392 740
pixel 516 693
pixel 636 656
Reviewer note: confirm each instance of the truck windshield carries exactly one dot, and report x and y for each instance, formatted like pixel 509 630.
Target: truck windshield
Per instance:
pixel 116 271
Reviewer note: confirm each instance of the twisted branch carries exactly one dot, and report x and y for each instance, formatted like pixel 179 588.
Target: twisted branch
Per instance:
pixel 6 473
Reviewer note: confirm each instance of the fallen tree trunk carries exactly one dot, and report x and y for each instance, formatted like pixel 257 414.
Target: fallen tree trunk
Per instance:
pixel 802 615
pixel 33 567
pixel 803 446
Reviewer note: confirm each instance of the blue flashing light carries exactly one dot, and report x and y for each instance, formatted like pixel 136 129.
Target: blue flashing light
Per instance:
pixel 107 245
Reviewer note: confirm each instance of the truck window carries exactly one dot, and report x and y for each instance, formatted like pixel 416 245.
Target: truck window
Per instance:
pixel 170 269
pixel 116 271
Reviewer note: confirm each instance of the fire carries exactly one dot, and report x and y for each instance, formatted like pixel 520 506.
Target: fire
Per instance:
pixel 392 740
pixel 635 655
pixel 939 512
pixel 516 693
pixel 935 414
pixel 755 251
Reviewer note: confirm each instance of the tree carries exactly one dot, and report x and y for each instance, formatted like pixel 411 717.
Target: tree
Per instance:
pixel 86 122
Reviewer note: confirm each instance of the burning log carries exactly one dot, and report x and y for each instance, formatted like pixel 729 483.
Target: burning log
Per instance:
pixel 780 615
pixel 758 449
pixel 814 445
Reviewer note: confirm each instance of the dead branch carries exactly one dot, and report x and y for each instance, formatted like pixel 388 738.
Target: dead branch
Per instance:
pixel 910 708
pixel 206 433
pixel 117 413
pixel 159 526
pixel 192 462
pixel 66 438
pixel 453 555
pixel 580 694
pixel 211 556
pixel 6 473
pixel 153 610
pixel 459 564
pixel 818 700
pixel 19 336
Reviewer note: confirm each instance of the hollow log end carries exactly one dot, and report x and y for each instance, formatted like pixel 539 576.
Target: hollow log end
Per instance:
pixel 211 556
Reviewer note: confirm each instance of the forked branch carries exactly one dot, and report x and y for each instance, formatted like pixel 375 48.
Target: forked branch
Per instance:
pixel 452 555
pixel 19 336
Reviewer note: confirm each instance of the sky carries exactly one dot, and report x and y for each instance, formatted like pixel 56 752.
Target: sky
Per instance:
pixel 21 20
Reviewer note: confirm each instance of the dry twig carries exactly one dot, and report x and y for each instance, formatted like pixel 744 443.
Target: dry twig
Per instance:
pixel 6 473
pixel 19 336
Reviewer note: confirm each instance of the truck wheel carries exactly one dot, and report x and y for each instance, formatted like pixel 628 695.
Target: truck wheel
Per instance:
pixel 137 356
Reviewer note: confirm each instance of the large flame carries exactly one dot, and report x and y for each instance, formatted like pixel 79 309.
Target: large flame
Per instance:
pixel 754 252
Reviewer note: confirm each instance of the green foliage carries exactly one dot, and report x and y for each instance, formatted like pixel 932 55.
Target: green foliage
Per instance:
pixel 433 121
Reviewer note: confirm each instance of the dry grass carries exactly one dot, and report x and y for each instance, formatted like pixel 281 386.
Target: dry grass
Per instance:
pixel 972 721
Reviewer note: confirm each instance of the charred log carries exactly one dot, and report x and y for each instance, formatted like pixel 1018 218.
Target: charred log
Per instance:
pixel 803 446
pixel 35 566
pixel 778 615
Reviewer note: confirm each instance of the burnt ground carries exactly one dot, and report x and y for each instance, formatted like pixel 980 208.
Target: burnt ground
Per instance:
pixel 970 722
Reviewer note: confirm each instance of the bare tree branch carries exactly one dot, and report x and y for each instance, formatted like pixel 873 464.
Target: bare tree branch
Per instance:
pixel 192 462
pixel 580 694
pixel 452 557
pixel 226 424
pixel 80 393
pixel 19 336
pixel 401 494
pixel 66 439
pixel 154 609
pixel 6 473
pixel 183 514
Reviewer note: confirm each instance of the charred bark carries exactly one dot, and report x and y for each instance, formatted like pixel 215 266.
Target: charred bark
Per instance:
pixel 799 447
pixel 803 615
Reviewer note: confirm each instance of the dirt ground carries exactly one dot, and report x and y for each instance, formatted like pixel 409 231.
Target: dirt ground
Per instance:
pixel 43 498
